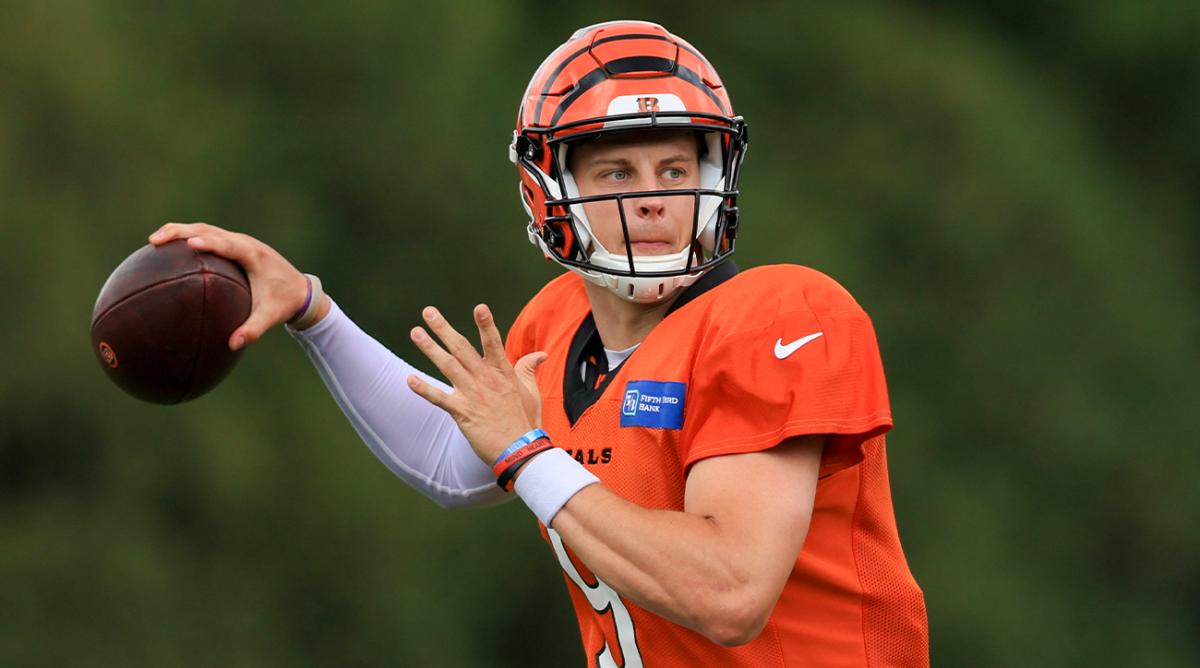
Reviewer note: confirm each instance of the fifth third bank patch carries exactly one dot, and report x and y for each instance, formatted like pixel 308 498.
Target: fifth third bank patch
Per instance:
pixel 652 403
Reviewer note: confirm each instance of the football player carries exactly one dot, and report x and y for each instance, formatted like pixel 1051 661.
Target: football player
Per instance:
pixel 703 447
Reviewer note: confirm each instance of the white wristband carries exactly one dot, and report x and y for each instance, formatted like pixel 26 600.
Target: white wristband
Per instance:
pixel 549 481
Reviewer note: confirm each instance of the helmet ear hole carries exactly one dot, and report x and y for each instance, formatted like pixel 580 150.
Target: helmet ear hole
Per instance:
pixel 566 239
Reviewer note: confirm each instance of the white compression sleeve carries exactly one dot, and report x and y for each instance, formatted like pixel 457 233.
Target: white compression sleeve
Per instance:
pixel 416 440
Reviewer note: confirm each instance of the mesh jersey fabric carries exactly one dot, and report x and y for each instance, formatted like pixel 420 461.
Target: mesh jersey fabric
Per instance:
pixel 850 599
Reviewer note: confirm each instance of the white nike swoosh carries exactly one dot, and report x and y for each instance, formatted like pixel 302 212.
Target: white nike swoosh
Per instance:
pixel 782 351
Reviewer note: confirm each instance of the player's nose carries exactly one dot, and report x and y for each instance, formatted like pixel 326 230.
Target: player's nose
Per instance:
pixel 651 207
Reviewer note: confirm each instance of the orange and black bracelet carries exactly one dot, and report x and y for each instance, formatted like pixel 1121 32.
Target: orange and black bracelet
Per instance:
pixel 508 479
pixel 512 460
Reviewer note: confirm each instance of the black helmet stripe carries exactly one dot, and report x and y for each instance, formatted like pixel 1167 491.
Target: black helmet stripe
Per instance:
pixel 662 66
pixel 593 78
pixel 570 59
pixel 588 82
pixel 694 79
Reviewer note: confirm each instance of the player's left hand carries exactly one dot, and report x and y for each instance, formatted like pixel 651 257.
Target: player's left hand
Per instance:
pixel 494 403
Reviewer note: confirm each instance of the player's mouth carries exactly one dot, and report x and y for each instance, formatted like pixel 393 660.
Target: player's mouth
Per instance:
pixel 649 247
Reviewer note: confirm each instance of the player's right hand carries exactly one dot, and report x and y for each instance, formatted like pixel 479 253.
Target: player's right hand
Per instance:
pixel 277 289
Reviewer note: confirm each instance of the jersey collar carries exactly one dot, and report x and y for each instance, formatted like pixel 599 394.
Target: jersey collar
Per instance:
pixel 586 374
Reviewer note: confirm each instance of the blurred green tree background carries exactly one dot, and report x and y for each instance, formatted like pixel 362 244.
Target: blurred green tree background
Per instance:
pixel 1009 189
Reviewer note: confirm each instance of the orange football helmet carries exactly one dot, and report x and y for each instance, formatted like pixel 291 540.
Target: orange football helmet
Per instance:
pixel 615 77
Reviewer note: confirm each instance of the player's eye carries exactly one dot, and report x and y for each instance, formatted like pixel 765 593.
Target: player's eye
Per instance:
pixel 618 175
pixel 673 174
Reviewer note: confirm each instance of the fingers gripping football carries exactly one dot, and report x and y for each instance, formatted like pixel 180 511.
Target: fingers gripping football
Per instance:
pixel 277 288
pixel 492 403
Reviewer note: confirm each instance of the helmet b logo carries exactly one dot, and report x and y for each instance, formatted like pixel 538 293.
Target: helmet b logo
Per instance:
pixel 647 105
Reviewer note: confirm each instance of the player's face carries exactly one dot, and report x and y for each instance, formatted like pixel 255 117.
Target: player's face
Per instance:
pixel 658 224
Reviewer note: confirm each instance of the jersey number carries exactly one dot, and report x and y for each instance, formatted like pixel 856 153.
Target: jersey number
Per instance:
pixel 602 599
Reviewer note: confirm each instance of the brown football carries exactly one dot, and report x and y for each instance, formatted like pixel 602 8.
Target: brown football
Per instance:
pixel 162 322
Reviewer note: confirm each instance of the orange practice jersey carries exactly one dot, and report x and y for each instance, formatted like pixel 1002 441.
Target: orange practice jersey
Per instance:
pixel 736 370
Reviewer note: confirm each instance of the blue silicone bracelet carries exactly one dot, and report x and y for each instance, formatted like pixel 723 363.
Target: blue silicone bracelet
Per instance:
pixel 529 437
